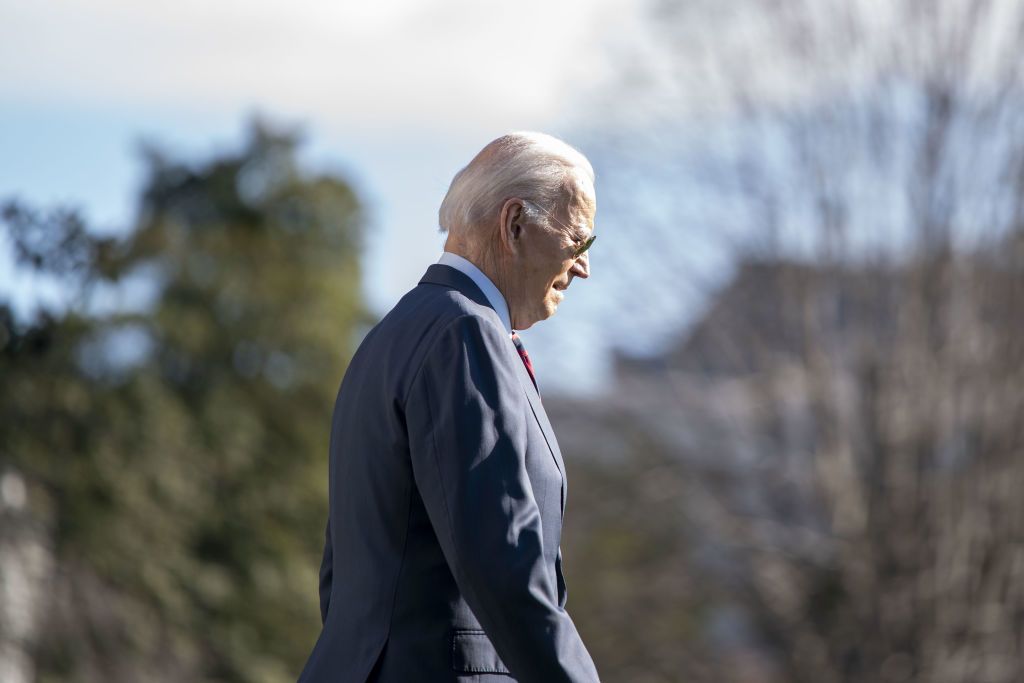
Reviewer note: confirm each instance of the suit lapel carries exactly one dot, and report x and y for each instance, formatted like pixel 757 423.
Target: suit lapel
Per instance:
pixel 440 274
pixel 542 419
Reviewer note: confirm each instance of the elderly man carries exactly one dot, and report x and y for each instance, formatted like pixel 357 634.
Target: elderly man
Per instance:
pixel 447 488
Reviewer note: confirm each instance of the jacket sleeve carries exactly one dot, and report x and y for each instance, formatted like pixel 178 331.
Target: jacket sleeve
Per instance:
pixel 326 574
pixel 466 413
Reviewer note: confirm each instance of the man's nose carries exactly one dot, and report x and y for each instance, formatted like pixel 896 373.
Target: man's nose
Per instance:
pixel 581 267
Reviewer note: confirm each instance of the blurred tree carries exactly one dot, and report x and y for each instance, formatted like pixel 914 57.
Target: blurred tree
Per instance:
pixel 170 425
pixel 627 548
pixel 850 404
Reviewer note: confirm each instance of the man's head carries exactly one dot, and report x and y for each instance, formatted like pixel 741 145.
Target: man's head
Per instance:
pixel 522 211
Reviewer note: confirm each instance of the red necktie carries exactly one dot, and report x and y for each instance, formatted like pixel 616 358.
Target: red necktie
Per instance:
pixel 526 358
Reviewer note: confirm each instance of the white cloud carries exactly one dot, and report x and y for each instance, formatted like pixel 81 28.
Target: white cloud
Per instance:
pixel 379 64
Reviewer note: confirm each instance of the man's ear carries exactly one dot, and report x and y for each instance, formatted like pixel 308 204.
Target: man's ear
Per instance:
pixel 512 223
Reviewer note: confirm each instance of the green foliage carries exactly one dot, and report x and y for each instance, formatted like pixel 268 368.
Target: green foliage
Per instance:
pixel 181 448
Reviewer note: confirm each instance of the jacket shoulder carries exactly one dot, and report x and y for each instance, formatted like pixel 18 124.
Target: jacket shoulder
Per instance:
pixel 436 306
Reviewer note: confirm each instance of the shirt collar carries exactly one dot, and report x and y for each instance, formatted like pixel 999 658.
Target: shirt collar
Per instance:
pixel 490 291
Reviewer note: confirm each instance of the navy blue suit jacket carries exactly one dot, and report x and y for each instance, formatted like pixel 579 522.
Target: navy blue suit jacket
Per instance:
pixel 447 489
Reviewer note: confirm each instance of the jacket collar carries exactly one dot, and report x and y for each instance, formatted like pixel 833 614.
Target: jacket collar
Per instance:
pixel 446 276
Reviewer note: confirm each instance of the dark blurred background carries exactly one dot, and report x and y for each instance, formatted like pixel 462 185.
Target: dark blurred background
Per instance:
pixel 791 397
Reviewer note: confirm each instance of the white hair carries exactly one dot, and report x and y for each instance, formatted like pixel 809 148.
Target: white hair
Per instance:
pixel 532 166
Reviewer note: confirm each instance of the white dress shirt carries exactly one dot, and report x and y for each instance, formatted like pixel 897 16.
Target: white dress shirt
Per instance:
pixel 490 291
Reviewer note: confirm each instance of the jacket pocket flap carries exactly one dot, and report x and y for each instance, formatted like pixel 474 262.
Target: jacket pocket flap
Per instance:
pixel 472 652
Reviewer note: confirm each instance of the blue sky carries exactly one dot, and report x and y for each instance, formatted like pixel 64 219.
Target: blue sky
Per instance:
pixel 395 95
